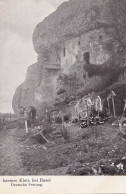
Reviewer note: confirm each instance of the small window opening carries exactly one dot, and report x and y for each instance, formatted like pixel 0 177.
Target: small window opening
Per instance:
pixel 79 42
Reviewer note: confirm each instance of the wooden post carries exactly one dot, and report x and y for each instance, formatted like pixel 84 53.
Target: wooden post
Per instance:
pixel 112 94
pixel 87 116
pixel 97 108
pixel 124 108
pixel 26 126
pixel 108 107
pixel 113 105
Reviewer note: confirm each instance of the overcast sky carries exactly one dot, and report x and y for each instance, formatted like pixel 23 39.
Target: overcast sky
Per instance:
pixel 18 19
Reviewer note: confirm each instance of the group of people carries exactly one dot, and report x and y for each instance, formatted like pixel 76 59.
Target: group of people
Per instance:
pixel 29 114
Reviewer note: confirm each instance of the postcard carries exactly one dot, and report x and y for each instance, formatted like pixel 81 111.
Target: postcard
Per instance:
pixel 62 96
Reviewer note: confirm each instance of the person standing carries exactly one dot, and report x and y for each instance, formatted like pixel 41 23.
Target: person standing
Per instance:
pixel 21 117
pixel 32 115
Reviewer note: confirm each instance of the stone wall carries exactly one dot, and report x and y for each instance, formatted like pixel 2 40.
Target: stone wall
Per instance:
pixel 98 42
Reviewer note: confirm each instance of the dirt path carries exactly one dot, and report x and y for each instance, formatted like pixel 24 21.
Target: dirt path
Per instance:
pixel 10 158
pixel 22 155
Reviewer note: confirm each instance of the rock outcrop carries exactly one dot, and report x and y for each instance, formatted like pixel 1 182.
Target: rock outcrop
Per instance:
pixel 61 39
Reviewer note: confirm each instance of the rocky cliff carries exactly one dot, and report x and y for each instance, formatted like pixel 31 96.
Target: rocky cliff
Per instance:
pixel 61 39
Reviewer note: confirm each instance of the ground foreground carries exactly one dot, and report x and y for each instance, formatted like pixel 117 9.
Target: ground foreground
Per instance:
pixel 86 152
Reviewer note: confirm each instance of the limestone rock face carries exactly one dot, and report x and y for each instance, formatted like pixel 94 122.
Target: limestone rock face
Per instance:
pixel 71 19
pixel 25 93
pixel 61 39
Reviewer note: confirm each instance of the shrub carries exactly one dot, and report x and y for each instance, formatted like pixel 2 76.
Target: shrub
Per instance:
pixel 75 120
pixel 66 118
pixel 47 129
pixel 67 100
pixel 58 120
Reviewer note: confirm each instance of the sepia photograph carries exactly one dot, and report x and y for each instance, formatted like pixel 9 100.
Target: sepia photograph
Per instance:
pixel 62 88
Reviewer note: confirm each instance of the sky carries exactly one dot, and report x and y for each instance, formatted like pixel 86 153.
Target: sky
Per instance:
pixel 18 19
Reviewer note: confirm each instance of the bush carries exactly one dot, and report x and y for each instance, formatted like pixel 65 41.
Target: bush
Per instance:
pixel 67 100
pixel 47 129
pixel 66 118
pixel 75 120
pixel 58 120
